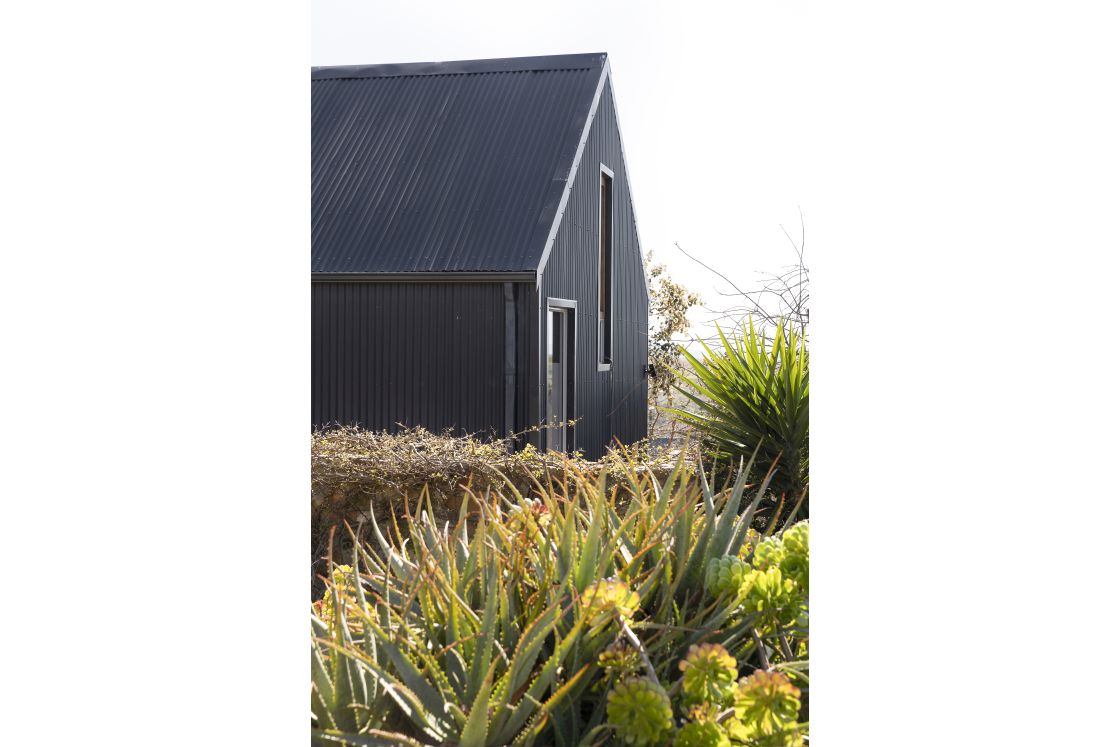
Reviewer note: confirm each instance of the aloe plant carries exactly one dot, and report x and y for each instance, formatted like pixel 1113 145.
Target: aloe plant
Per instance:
pixel 754 394
pixel 346 697
pixel 512 626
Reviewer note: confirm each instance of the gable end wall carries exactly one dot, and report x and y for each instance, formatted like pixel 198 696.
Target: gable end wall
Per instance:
pixel 609 404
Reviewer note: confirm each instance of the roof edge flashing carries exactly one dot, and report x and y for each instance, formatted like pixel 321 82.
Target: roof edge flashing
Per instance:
pixel 424 277
pixel 463 67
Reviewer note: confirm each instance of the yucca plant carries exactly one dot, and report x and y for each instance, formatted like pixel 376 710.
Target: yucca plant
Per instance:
pixel 754 394
pixel 512 626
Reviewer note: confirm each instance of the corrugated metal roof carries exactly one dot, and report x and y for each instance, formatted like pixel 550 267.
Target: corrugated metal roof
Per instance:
pixel 443 167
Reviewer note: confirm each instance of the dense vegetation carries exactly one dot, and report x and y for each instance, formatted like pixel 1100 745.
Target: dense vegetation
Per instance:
pixel 752 394
pixel 568 615
pixel 496 596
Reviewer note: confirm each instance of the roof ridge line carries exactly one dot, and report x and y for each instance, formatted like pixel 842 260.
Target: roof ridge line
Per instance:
pixel 558 63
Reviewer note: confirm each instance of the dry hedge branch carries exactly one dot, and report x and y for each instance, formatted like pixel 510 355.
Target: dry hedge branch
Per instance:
pixel 351 466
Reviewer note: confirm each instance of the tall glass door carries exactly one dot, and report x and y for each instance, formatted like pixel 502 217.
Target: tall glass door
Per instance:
pixel 556 378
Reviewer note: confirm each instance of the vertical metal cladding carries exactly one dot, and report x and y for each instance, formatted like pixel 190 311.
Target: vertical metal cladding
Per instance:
pixel 426 354
pixel 609 404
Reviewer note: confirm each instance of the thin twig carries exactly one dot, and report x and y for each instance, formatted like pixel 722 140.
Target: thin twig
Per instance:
pixel 761 650
pixel 641 649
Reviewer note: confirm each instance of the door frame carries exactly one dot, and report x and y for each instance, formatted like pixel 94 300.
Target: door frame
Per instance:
pixel 569 306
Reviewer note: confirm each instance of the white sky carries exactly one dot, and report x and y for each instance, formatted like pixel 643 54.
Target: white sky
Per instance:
pixel 711 100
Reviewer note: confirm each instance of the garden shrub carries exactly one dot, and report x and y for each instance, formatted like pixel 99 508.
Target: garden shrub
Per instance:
pixel 754 393
pixel 357 472
pixel 352 467
pixel 567 616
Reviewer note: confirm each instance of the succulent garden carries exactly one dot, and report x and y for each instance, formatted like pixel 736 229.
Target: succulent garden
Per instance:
pixel 573 604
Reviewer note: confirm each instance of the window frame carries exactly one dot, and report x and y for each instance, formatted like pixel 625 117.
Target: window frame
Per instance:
pixel 570 306
pixel 605 351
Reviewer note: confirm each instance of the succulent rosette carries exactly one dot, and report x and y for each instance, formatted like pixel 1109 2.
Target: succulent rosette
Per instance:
pixel 640 713
pixel 795 554
pixel 620 658
pixel 701 734
pixel 607 599
pixel 772 595
pixel 709 675
pixel 768 554
pixel 766 707
pixel 725 575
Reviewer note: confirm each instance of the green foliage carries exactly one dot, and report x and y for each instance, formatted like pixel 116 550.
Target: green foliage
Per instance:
pixel 757 711
pixel 620 659
pixel 608 600
pixel 669 303
pixel 755 394
pixel 345 696
pixel 567 617
pixel 709 675
pixel 701 734
pixel 640 713
pixel 726 575
pixel 795 554
pixel 766 706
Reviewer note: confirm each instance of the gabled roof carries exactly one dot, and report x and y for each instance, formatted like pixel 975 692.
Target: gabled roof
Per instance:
pixel 444 166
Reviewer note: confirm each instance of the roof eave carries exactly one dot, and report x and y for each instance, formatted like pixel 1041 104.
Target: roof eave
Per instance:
pixel 424 277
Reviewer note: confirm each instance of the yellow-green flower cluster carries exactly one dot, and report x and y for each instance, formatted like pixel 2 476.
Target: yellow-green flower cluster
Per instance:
pixel 607 599
pixel 773 595
pixel 709 675
pixel 779 583
pixel 342 579
pixel 701 734
pixel 620 658
pixel 768 554
pixel 529 518
pixel 749 544
pixel 766 709
pixel 639 711
pixel 795 554
pixel 725 575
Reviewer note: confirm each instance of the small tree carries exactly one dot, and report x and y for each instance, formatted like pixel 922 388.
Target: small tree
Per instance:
pixel 669 303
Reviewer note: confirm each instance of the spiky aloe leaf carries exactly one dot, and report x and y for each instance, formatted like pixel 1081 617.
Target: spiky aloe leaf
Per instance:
pixel 474 731
pixel 322 691
pixel 484 649
pixel 435 703
pixel 433 723
pixel 591 550
pixel 373 738
pixel 507 723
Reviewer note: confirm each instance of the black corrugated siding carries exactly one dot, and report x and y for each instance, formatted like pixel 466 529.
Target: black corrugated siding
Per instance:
pixel 528 347
pixel 428 354
pixel 443 172
pixel 609 404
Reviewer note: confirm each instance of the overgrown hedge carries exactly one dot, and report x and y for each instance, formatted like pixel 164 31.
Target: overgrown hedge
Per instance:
pixel 356 472
pixel 352 468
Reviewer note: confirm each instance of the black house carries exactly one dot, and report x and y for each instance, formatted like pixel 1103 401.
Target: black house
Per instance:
pixel 475 262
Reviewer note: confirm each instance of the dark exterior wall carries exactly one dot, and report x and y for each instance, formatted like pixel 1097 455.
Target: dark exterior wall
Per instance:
pixel 529 402
pixel 428 354
pixel 609 404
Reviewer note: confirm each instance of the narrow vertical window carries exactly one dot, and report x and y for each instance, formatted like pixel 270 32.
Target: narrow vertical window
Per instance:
pixel 606 233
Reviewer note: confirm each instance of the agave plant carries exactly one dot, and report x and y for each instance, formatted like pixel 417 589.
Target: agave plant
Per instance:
pixel 754 393
pixel 514 625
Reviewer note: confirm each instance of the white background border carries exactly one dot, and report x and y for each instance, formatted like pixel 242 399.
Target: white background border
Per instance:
pixel 962 209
